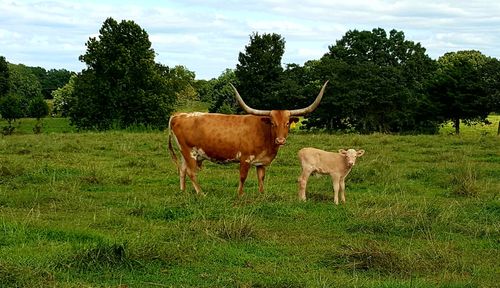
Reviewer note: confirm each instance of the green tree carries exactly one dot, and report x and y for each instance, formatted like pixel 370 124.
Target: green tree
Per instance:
pixel 259 71
pixel 122 85
pixel 298 85
pixel 38 108
pixel 461 88
pixel 490 72
pixel 25 84
pixel 10 109
pixel 222 94
pixel 41 74
pixel 4 77
pixel 54 79
pixel 377 83
pixel 62 96
pixel 181 80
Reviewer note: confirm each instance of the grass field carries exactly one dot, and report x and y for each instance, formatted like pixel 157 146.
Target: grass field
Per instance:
pixel 105 210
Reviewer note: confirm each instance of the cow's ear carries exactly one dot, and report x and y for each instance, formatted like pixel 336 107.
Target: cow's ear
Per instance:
pixel 342 152
pixel 360 153
pixel 293 120
pixel 266 120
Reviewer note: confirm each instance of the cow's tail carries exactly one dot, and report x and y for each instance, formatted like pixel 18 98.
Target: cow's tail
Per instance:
pixel 170 147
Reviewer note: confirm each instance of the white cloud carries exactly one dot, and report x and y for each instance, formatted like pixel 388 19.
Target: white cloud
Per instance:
pixel 206 36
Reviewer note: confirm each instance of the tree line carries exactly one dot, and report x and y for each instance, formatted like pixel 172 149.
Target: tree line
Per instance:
pixel 379 82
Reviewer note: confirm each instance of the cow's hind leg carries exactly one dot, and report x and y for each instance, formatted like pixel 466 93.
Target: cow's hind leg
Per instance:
pixel 191 169
pixel 244 167
pixel 261 173
pixel 182 175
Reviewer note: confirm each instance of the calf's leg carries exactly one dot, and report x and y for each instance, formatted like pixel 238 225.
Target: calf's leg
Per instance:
pixel 336 188
pixel 342 189
pixel 303 184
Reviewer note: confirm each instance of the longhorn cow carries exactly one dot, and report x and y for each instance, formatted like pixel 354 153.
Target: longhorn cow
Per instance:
pixel 246 139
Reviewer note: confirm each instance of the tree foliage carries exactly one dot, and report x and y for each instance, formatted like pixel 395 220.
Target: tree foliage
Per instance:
pixel 181 80
pixel 122 85
pixel 53 80
pixel 221 94
pixel 377 84
pixel 259 71
pixel 462 87
pixel 62 96
pixel 25 84
pixel 491 77
pixel 4 77
pixel 38 108
pixel 10 109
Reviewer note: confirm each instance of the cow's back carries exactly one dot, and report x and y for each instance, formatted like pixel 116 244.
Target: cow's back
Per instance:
pixel 220 136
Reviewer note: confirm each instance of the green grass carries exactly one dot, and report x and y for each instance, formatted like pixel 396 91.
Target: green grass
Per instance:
pixel 481 129
pixel 105 210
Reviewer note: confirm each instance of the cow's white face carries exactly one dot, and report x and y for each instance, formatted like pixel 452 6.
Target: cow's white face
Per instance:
pixel 280 121
pixel 351 155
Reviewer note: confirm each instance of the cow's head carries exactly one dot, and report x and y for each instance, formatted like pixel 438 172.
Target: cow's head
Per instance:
pixel 280 120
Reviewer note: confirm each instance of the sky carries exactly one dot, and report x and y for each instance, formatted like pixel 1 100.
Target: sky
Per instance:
pixel 207 36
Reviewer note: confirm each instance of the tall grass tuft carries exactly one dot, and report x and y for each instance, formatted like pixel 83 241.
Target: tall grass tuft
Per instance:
pixel 92 176
pixel 464 182
pixel 368 256
pixel 12 275
pixel 100 256
pixel 240 227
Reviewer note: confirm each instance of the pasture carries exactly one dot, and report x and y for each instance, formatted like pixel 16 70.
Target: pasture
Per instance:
pixel 105 210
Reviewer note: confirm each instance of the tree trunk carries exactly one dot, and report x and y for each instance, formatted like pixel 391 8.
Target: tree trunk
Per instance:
pixel 456 123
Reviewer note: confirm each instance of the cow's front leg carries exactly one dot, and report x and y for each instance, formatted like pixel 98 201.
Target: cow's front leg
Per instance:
pixel 244 167
pixel 336 188
pixel 261 173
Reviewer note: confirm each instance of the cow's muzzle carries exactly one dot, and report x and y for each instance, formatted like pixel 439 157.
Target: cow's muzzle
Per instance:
pixel 280 141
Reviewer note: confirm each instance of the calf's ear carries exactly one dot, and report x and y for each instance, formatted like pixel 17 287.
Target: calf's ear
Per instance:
pixel 360 153
pixel 342 152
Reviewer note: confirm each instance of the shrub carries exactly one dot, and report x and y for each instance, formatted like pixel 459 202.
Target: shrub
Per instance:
pixel 38 109
pixel 10 110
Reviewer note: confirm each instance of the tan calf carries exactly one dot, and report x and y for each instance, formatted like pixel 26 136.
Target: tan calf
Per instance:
pixel 338 165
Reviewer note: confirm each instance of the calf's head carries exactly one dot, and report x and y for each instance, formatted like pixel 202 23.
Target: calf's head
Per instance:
pixel 351 155
pixel 280 120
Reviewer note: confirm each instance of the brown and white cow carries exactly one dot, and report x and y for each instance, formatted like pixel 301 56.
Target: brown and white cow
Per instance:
pixel 246 139
pixel 338 165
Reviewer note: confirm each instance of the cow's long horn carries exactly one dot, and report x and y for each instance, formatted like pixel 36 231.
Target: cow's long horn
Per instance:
pixel 248 109
pixel 310 108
